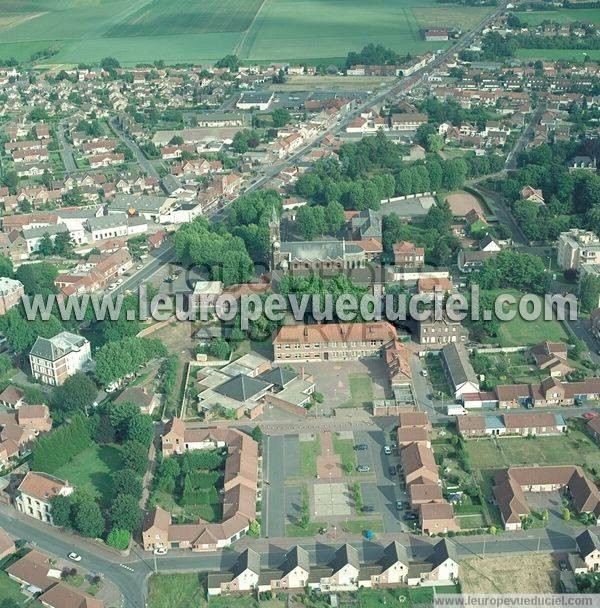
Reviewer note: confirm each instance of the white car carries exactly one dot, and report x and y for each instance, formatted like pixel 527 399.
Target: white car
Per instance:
pixel 160 551
pixel 112 285
pixel 74 556
pixel 119 281
pixel 387 450
pixel 139 266
pixel 424 373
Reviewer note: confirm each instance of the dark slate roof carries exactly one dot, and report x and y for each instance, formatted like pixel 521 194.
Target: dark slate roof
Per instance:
pixel 107 221
pixel 242 387
pixel 296 556
pixel 346 554
pixel 278 376
pixel 248 560
pixel 318 250
pixel 587 542
pixel 368 223
pixel 58 346
pixel 392 554
pixel 458 364
pixel 441 552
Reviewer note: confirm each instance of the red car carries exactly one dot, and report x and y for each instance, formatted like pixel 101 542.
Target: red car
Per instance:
pixel 589 415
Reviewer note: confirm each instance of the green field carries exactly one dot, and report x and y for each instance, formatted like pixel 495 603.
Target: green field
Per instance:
pixel 562 15
pixel 137 31
pixel 361 390
pixel 92 470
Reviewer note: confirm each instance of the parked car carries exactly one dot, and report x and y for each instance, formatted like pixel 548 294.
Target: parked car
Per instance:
pixel 160 551
pixel 392 470
pixel 424 373
pixel 562 564
pixel 399 505
pixel 387 449
pixel 74 556
pixel 409 516
pixel 589 415
pixel 360 447
pixel 363 468
pixel 367 509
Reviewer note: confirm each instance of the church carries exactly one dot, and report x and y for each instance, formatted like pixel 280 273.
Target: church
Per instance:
pixel 312 256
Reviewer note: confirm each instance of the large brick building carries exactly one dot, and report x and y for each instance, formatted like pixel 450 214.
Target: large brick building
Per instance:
pixel 331 341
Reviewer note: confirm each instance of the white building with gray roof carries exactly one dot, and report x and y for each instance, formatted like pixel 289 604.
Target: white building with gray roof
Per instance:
pixel 53 360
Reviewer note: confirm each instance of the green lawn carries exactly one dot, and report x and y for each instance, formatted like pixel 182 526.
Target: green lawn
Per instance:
pixel 576 448
pixel 558 54
pixel 309 450
pixel 468 522
pixel 361 390
pixel 358 526
pixel 519 332
pixel 293 530
pixel 381 598
pixel 436 374
pixel 92 469
pixel 10 593
pixel 176 591
pixel 345 449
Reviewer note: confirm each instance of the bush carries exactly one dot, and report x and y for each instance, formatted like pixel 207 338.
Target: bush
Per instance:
pixel 118 538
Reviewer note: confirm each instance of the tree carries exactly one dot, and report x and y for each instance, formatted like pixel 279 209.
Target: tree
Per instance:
pixel 37 278
pixel 229 61
pixel 281 117
pixel 118 538
pixel 46 248
pixel 135 456
pixel 589 292
pixel 6 267
pixel 109 63
pixel 77 393
pixel 254 529
pixel 63 245
pixel 141 429
pixel 115 360
pixel 566 514
pixel 87 517
pixel 61 510
pixel 120 415
pixel 127 481
pixel 257 434
pixel 219 349
pixel 125 513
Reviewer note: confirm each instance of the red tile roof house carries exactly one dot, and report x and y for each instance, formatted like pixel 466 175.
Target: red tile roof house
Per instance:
pixel 7 545
pixel 421 475
pixel 38 573
pixel 512 483
pixel 35 492
pixel 239 498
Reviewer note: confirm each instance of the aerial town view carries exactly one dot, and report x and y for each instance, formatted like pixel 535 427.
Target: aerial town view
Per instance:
pixel 299 303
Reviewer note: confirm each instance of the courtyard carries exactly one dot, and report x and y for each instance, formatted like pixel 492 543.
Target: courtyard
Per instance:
pixel 348 384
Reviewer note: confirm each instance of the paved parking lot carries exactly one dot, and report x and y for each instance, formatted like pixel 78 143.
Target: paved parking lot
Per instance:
pixel 386 490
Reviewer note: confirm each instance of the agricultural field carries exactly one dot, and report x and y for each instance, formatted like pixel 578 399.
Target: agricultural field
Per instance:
pixel 137 31
pixel 163 17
